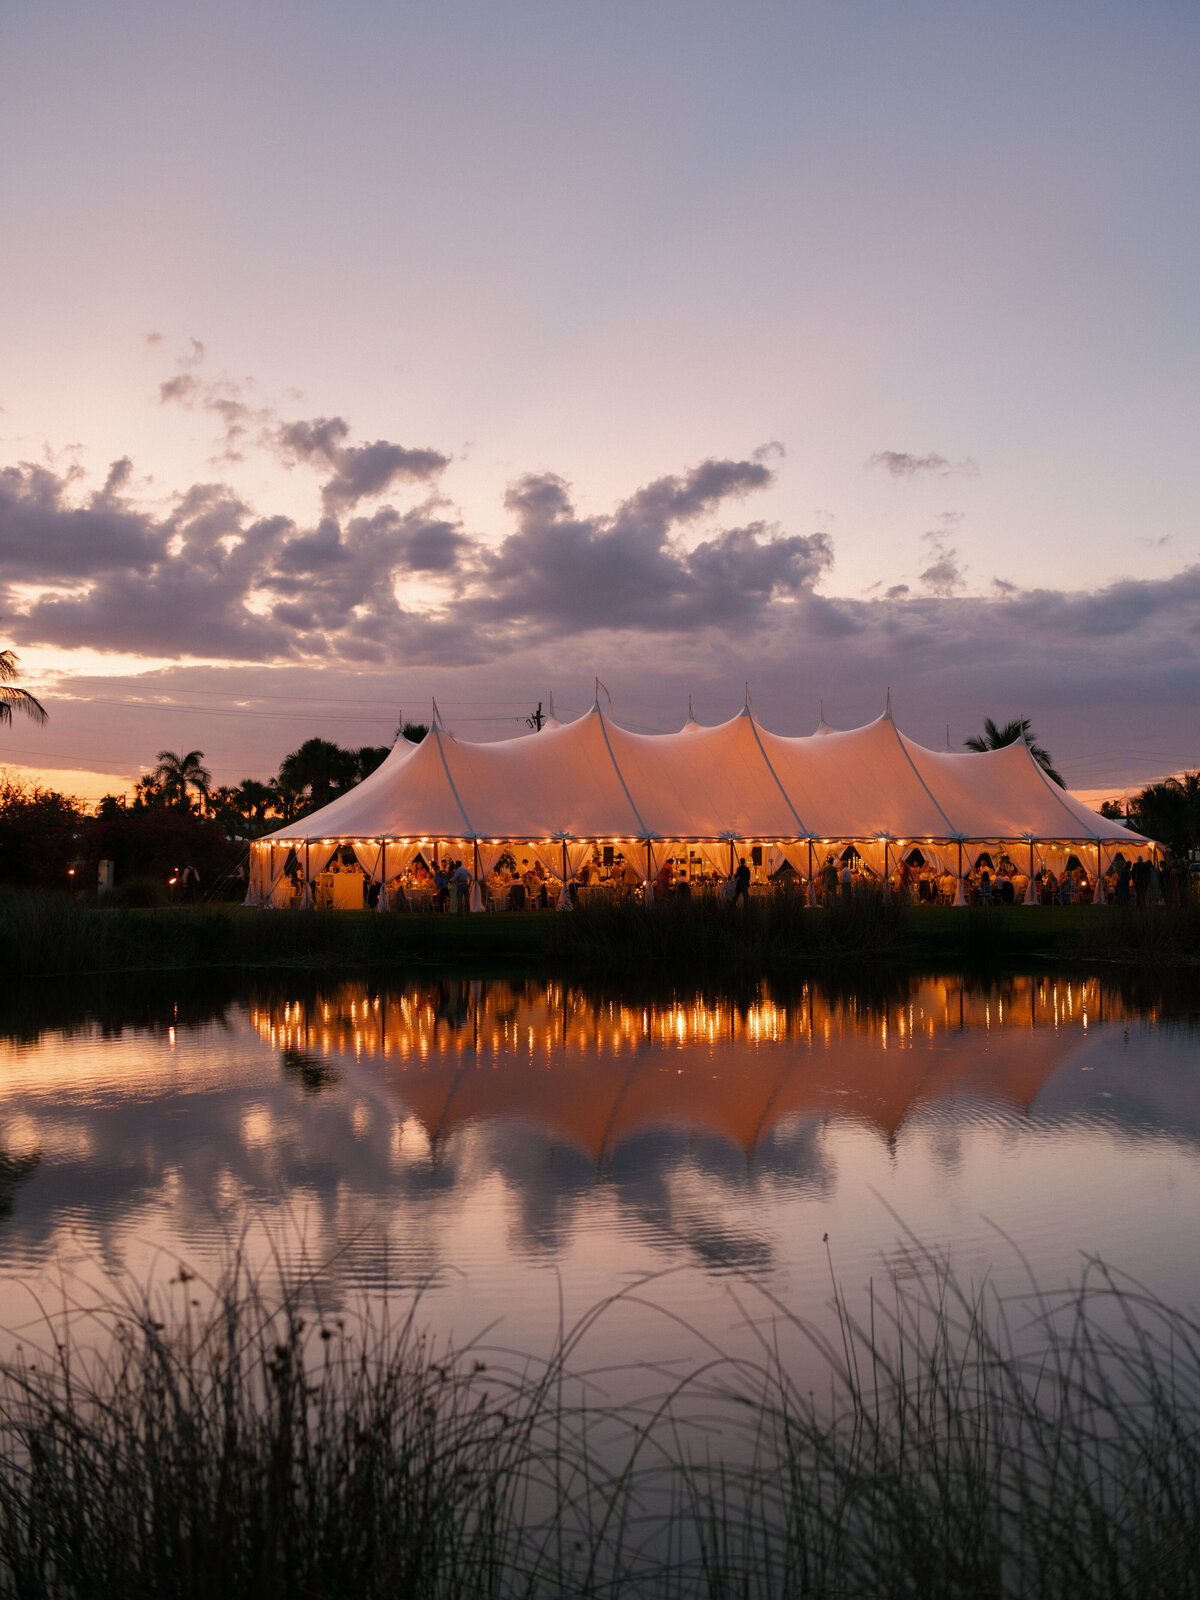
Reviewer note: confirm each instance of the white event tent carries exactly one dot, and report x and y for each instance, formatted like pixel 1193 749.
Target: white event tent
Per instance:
pixel 554 794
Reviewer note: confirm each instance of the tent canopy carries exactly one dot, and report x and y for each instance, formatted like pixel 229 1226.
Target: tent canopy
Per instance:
pixel 592 779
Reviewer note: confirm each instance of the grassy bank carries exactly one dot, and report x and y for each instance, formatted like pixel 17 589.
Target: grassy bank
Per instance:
pixel 272 1450
pixel 52 934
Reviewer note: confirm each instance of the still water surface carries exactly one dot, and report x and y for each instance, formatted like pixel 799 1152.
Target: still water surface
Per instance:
pixel 527 1149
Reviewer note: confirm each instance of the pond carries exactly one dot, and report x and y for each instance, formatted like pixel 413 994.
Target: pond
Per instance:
pixel 522 1150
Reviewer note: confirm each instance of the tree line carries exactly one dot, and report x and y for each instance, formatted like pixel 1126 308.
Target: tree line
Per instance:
pixel 309 777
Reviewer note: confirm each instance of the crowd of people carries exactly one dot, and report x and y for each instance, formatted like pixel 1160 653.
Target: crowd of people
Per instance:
pixel 517 883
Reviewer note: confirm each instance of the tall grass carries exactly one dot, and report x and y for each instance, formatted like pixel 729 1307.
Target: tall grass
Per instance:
pixel 1149 935
pixel 706 933
pixel 48 933
pixel 955 1447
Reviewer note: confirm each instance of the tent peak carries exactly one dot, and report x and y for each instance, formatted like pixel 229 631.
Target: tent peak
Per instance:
pixel 823 726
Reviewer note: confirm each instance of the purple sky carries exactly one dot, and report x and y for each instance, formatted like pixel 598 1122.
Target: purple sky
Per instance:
pixel 353 356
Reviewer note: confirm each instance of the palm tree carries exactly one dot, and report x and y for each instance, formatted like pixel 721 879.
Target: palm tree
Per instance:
pixel 12 698
pixel 1170 812
pixel 287 798
pixel 320 768
pixel 254 800
pixel 178 774
pixel 367 757
pixel 1018 731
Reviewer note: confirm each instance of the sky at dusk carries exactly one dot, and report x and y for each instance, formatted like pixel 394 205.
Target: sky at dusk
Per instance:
pixel 356 355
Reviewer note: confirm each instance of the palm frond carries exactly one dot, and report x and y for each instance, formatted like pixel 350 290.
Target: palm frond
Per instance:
pixel 20 700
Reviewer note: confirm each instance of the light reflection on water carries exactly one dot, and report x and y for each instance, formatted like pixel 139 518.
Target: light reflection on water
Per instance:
pixel 518 1142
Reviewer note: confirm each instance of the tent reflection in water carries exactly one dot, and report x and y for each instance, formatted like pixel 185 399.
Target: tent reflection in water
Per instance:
pixel 556 793
pixel 595 1073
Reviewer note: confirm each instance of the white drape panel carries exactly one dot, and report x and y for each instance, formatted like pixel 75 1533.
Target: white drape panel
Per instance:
pixel 369 855
pixel 489 853
pixel 1053 856
pixel 279 894
pixel 395 859
pixel 795 851
pixel 319 857
pixel 872 851
pixel 578 851
pixel 256 887
pixel 550 857
pixel 716 856
pixel 399 858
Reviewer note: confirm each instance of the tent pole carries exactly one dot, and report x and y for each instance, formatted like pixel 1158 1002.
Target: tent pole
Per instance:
pixel 731 858
pixel 886 875
pixel 649 866
pixel 811 897
pixel 564 851
pixel 307 876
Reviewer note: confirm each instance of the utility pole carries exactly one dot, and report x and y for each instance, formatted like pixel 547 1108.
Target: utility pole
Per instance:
pixel 536 720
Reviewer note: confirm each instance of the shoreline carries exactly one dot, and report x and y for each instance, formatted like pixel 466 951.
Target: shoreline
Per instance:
pixel 48 936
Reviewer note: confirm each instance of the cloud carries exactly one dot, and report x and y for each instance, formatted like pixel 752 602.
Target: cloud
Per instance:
pixel 222 398
pixel 559 570
pixel 359 472
pixel 943 575
pixel 210 578
pixel 900 464
pixel 356 472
